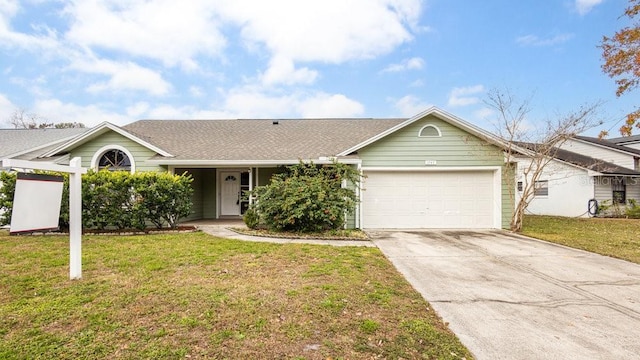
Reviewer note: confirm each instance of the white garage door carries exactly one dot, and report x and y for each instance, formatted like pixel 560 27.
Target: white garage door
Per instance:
pixel 411 200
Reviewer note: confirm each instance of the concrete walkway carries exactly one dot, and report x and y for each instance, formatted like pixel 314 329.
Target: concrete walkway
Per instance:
pixel 222 230
pixel 512 297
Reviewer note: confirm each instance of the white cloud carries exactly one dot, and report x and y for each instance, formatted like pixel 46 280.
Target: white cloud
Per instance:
pixel 464 96
pixel 534 40
pixel 44 39
pixel 196 91
pixel 138 109
pixel 329 31
pixel 584 6
pixel 410 105
pixel 173 32
pixel 6 109
pixel 252 102
pixel 56 111
pixel 414 63
pixel 123 76
pixel 282 71
pixel 323 105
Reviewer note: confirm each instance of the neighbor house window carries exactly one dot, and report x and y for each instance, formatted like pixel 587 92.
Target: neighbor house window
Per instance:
pixel 429 131
pixel 619 190
pixel 519 185
pixel 114 160
pixel 541 188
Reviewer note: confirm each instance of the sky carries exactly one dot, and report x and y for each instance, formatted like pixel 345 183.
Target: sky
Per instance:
pixel 124 60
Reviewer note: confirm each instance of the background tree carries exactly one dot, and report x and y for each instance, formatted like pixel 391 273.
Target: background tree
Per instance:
pixel 531 146
pixel 621 55
pixel 23 119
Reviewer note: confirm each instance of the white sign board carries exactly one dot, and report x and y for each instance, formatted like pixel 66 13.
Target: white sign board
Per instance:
pixel 36 202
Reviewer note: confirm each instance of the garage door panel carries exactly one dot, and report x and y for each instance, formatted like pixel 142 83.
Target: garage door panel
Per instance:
pixel 457 199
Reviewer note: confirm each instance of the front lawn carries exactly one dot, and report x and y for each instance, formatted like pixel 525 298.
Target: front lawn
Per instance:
pixel 196 296
pixel 618 238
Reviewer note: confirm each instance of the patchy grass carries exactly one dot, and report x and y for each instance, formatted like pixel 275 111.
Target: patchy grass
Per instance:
pixel 612 237
pixel 176 296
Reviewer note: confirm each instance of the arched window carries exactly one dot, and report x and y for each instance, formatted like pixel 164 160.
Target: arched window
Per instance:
pixel 429 131
pixel 113 157
pixel 114 160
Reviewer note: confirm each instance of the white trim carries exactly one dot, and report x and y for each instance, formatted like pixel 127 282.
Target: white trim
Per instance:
pixel 244 163
pixel 433 168
pixel 100 129
pixel 98 154
pixel 218 190
pixel 429 136
pixel 497 185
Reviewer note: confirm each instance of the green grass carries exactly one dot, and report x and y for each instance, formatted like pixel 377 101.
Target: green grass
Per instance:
pixel 176 296
pixel 619 238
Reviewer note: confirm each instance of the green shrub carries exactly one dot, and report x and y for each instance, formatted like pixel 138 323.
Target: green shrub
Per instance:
pixel 7 189
pixel 117 199
pixel 251 218
pixel 163 197
pixel 633 210
pixel 306 198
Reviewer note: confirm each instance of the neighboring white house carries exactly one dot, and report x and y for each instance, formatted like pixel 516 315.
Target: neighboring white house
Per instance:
pixel 627 141
pixel 585 172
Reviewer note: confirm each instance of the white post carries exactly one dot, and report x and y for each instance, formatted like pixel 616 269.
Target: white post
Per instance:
pixel 250 185
pixel 75 220
pixel 75 171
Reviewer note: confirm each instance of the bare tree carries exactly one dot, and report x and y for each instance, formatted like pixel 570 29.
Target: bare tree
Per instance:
pixel 530 147
pixel 21 118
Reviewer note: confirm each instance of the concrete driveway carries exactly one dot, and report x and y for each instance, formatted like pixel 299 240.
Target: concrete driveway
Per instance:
pixel 512 297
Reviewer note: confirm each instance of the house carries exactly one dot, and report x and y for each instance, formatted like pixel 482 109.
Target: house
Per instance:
pixel 628 141
pixel 433 170
pixel 585 172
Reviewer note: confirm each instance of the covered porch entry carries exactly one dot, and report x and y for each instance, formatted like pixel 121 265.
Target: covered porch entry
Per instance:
pixel 222 192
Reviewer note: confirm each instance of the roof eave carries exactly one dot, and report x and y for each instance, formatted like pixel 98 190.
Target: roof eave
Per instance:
pixel 605 146
pixel 248 162
pixel 99 130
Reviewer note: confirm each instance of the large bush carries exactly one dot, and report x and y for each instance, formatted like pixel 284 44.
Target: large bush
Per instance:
pixel 305 198
pixel 117 199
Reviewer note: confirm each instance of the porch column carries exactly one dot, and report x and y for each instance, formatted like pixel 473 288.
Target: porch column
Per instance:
pixel 250 185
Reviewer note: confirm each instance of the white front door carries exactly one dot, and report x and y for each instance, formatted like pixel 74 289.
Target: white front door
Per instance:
pixel 229 193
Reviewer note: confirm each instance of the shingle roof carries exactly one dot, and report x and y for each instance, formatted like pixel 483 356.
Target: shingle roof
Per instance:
pixel 258 139
pixel 594 164
pixel 586 162
pixel 17 141
pixel 625 139
pixel 609 144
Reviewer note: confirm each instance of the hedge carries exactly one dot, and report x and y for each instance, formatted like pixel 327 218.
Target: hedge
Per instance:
pixel 118 199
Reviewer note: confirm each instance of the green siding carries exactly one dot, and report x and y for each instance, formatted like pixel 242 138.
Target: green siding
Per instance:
pixel 140 153
pixel 265 174
pixel 209 199
pixel 197 197
pixel 204 193
pixel 455 148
